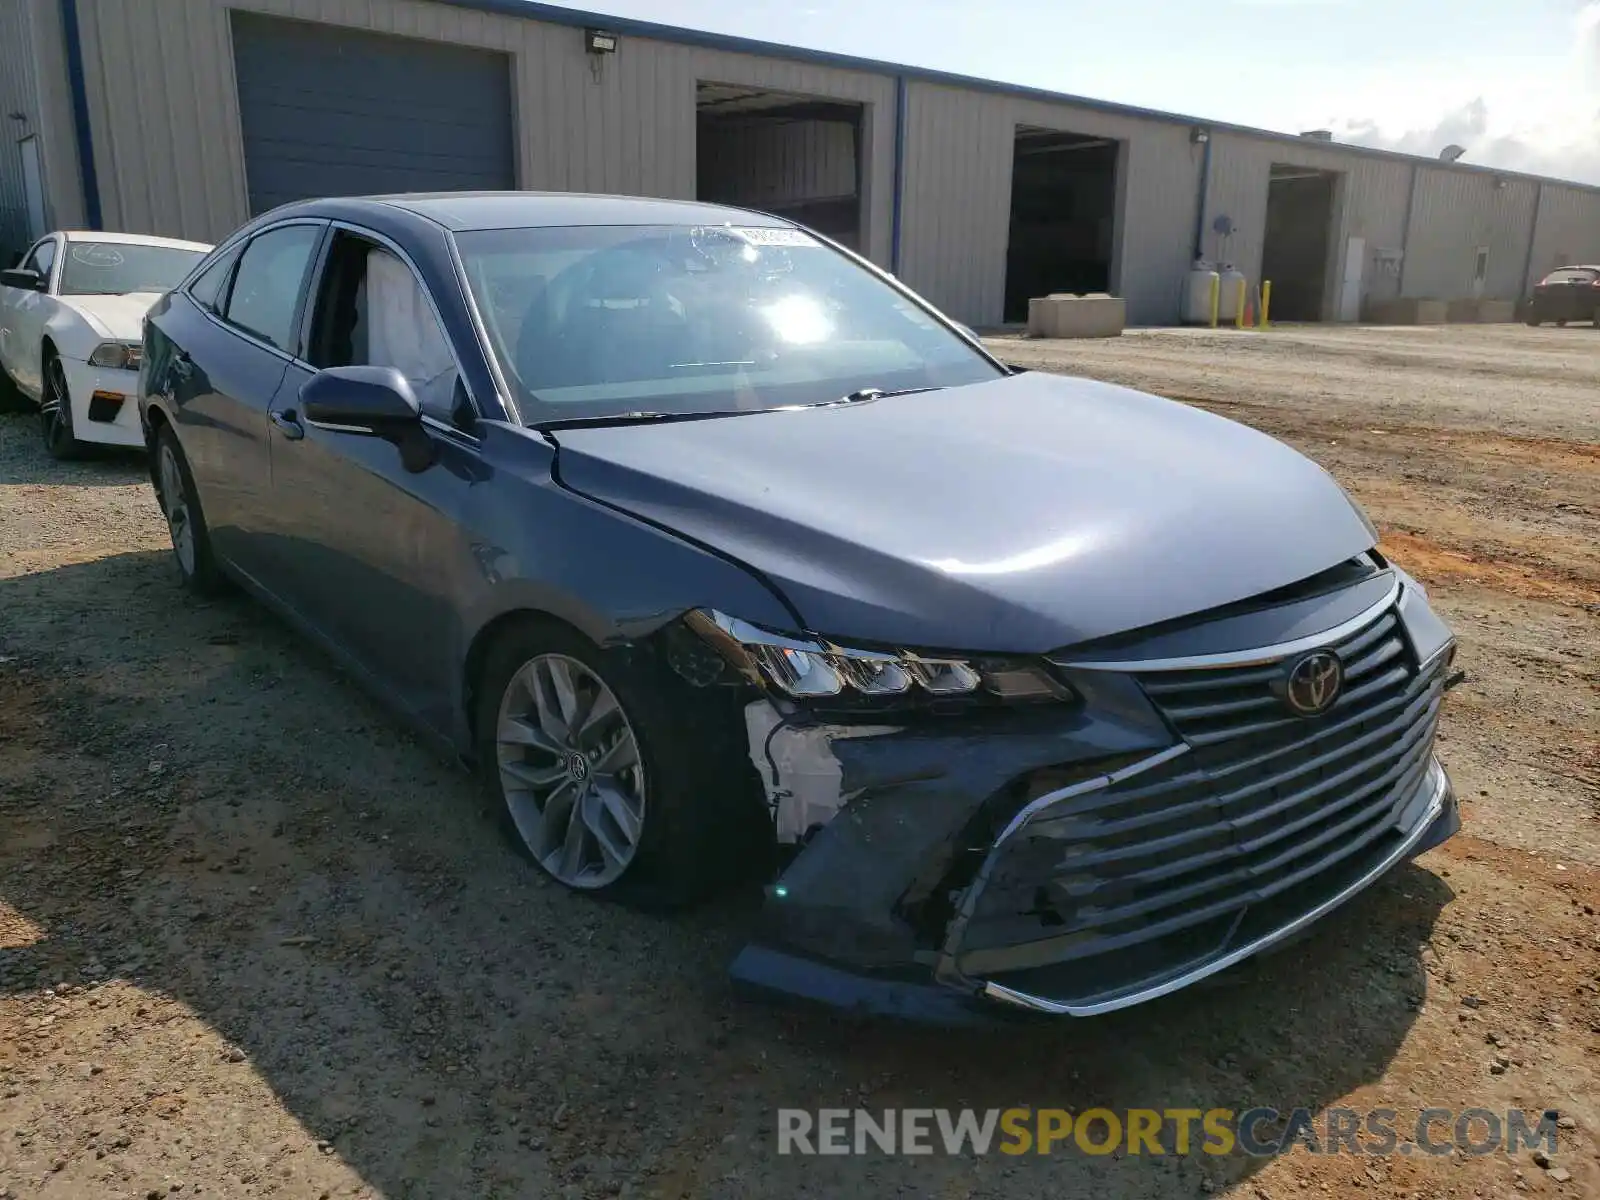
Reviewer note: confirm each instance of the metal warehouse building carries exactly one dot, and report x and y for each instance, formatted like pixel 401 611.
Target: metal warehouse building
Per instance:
pixel 184 117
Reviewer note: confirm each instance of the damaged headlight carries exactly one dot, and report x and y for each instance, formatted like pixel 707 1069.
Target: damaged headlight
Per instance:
pixel 809 669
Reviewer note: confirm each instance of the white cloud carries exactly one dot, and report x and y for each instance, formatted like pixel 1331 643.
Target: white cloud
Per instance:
pixel 1547 126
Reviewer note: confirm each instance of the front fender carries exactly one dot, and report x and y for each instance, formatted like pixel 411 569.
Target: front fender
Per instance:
pixel 74 334
pixel 538 547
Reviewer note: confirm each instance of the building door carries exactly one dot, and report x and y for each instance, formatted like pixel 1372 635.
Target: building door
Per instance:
pixel 329 111
pixel 1355 262
pixel 33 186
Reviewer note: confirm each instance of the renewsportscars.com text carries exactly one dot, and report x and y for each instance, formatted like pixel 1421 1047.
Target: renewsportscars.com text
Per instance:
pixel 1258 1132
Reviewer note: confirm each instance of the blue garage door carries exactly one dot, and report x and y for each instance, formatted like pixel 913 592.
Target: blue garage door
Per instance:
pixel 328 111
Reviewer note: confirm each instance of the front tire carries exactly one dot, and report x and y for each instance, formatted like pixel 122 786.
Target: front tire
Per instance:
pixel 186 523
pixel 55 414
pixel 594 773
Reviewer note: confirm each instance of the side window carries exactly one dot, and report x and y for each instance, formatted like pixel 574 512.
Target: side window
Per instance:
pixel 209 290
pixel 266 288
pixel 42 259
pixel 372 311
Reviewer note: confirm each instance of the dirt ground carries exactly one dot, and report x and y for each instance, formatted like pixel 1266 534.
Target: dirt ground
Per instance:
pixel 254 940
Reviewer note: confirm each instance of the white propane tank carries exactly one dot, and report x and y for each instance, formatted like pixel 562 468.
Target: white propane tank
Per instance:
pixel 1228 303
pixel 1197 297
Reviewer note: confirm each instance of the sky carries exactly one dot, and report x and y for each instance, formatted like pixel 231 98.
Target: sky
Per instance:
pixel 1517 82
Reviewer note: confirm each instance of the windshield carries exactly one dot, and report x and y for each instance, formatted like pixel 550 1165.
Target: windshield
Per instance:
pixel 115 268
pixel 600 321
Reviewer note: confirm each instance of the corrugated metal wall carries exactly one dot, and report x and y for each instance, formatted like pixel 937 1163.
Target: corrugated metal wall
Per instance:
pixel 164 107
pixel 792 161
pixel 1568 231
pixel 161 85
pixel 64 200
pixel 957 200
pixel 1455 214
pixel 18 93
pixel 1369 203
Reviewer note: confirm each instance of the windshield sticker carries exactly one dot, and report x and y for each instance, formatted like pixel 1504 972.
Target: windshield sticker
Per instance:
pixel 93 255
pixel 762 236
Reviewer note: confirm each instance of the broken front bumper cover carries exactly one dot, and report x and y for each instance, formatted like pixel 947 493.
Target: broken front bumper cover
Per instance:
pixel 1433 817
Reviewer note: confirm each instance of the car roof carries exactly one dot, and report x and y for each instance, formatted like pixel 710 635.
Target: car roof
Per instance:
pixel 1574 267
pixel 459 211
pixel 131 239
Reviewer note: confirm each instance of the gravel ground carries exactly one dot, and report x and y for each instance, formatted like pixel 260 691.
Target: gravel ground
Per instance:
pixel 255 941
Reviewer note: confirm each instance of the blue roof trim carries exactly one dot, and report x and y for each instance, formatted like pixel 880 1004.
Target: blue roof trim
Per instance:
pixel 80 113
pixel 579 18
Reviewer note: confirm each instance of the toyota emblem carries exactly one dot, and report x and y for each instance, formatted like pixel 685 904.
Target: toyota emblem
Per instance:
pixel 1314 684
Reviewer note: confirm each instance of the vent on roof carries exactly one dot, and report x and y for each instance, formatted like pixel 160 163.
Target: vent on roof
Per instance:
pixel 1318 135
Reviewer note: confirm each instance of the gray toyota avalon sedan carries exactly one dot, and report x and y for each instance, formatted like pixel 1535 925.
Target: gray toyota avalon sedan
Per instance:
pixel 716 551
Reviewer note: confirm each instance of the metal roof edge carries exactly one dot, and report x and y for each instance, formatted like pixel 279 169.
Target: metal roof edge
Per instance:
pixel 536 10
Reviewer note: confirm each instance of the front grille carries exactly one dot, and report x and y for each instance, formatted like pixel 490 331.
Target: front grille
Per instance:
pixel 1265 816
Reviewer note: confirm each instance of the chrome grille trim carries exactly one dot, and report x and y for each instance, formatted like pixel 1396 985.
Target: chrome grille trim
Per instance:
pixel 1435 806
pixel 1098 890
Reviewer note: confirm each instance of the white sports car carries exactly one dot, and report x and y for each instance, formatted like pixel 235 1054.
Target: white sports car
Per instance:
pixel 71 320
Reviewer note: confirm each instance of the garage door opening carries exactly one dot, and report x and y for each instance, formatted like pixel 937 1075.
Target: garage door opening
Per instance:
pixel 329 111
pixel 1063 216
pixel 796 156
pixel 1294 252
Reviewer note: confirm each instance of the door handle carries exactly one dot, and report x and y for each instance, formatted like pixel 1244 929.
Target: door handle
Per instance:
pixel 182 364
pixel 289 424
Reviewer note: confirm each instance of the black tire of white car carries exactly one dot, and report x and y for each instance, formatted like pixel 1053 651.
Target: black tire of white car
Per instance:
pixel 197 566
pixel 55 414
pixel 684 847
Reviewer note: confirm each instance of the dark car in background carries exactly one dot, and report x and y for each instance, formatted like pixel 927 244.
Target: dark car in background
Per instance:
pixel 1566 294
pixel 715 550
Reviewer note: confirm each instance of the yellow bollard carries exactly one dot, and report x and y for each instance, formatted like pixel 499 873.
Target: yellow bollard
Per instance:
pixel 1266 303
pixel 1238 316
pixel 1216 299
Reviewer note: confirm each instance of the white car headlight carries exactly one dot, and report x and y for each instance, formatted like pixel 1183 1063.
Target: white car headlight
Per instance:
pixel 123 356
pixel 808 669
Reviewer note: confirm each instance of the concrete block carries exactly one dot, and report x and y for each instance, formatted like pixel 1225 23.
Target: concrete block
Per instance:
pixel 1481 312
pixel 1407 312
pixel 1067 316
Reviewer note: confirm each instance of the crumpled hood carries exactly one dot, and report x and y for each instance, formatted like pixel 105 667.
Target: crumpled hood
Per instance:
pixel 119 317
pixel 1021 515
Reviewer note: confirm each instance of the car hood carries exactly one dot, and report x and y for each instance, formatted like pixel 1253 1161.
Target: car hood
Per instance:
pixel 120 317
pixel 1022 515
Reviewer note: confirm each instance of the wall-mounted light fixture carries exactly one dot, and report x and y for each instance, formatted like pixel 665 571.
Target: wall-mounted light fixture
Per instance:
pixel 599 41
pixel 1199 135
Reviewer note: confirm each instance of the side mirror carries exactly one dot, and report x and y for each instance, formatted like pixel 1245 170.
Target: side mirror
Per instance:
pixel 372 399
pixel 26 279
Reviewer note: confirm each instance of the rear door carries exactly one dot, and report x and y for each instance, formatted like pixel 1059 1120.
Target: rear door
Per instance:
pixel 372 549
pixel 233 335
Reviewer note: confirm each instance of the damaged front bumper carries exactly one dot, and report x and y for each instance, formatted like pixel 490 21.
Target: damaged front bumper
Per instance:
pixel 1078 863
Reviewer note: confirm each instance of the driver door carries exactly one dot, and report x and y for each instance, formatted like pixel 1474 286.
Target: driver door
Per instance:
pixel 374 553
pixel 22 325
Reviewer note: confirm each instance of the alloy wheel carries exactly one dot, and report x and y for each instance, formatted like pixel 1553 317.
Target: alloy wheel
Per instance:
pixel 175 506
pixel 570 771
pixel 55 409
